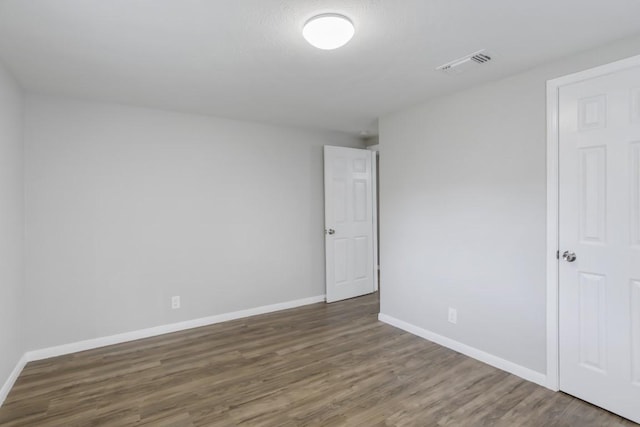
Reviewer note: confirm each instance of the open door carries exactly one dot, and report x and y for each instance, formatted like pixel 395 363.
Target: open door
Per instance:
pixel 349 197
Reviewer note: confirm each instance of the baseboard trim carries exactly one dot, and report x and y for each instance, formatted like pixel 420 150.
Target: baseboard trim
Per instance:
pixel 90 344
pixel 13 376
pixel 482 356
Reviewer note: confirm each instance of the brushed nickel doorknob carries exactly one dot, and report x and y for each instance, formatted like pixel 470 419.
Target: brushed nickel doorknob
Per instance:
pixel 569 256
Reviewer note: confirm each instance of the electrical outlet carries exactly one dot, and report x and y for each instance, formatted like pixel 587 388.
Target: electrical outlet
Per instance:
pixel 175 302
pixel 453 315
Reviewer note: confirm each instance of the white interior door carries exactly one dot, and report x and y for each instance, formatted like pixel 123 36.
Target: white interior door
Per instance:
pixel 349 222
pixel 600 223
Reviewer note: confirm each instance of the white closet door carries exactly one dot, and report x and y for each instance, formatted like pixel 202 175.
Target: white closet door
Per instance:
pixel 600 223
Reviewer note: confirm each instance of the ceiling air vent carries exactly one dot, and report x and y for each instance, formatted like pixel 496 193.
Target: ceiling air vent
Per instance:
pixel 465 63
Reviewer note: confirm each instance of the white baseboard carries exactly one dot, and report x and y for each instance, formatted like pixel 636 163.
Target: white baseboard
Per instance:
pixel 90 344
pixel 75 347
pixel 13 376
pixel 489 359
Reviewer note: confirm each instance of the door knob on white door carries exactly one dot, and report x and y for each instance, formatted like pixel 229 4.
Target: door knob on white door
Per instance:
pixel 330 231
pixel 569 256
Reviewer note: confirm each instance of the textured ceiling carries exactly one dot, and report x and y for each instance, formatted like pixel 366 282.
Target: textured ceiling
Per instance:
pixel 247 59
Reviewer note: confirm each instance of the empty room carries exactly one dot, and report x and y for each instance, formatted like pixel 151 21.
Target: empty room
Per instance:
pixel 319 213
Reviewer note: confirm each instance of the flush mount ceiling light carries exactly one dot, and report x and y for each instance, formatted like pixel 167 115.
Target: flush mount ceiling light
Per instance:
pixel 328 31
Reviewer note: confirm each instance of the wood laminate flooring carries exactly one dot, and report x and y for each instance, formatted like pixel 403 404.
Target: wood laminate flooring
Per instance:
pixel 318 365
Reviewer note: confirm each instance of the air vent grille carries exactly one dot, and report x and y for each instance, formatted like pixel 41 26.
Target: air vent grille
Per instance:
pixel 481 58
pixel 469 61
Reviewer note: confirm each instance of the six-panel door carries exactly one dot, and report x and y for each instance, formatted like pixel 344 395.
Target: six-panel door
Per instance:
pixel 348 222
pixel 600 222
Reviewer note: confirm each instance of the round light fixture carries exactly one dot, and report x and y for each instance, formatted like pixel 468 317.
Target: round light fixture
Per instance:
pixel 328 31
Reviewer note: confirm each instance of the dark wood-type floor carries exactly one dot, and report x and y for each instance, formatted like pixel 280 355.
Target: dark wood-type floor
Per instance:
pixel 316 365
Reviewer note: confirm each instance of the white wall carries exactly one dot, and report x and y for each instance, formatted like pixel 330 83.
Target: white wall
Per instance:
pixel 463 205
pixel 11 225
pixel 129 206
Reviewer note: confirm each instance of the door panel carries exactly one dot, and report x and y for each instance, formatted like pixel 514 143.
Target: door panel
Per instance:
pixel 592 321
pixel 593 194
pixel 600 222
pixel 635 194
pixel 348 222
pixel 635 330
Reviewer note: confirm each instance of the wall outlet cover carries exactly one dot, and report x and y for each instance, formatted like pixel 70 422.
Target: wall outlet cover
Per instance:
pixel 175 302
pixel 453 315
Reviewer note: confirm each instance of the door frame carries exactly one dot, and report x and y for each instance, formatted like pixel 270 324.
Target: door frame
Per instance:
pixel 374 201
pixel 553 206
